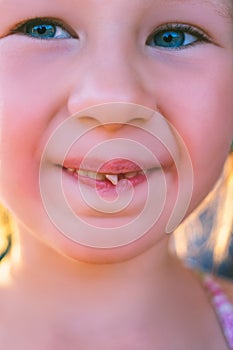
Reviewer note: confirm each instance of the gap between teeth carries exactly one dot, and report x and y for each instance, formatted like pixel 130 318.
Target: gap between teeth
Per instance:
pixel 113 178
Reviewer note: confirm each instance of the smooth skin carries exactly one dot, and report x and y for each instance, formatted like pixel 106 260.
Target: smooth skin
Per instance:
pixel 137 296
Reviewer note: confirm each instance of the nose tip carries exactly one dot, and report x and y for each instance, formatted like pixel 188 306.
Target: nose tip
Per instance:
pixel 117 82
pixel 86 98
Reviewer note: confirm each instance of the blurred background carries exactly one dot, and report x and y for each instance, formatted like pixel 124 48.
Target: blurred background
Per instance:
pixel 205 239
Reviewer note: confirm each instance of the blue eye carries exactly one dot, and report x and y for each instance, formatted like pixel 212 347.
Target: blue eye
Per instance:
pixel 46 28
pixel 169 39
pixel 176 36
pixel 42 30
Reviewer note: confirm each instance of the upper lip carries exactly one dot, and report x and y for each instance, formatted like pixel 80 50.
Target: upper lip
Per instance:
pixel 114 166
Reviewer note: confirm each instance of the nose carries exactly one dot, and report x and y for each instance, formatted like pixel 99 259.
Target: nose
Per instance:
pixel 110 75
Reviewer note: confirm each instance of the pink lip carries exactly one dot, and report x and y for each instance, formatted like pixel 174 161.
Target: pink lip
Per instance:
pixel 119 166
pixel 114 166
pixel 105 187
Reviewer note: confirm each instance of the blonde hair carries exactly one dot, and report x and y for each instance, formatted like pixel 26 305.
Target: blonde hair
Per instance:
pixel 210 226
pixel 6 231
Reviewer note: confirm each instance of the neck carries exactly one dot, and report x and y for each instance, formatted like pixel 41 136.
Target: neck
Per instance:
pixel 38 258
pixel 128 288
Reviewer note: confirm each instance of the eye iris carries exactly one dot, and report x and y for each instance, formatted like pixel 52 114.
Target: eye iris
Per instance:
pixel 42 30
pixel 169 39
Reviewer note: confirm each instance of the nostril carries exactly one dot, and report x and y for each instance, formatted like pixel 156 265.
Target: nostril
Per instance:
pixel 88 121
pixel 112 116
pixel 91 122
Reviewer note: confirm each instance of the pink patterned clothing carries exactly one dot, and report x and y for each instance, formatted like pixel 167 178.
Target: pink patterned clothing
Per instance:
pixel 223 308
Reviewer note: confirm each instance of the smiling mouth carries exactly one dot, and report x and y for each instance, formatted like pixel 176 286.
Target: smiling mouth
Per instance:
pixel 106 175
pixel 98 176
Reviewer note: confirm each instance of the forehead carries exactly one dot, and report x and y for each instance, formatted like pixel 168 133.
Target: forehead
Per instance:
pixel 217 3
pixel 222 7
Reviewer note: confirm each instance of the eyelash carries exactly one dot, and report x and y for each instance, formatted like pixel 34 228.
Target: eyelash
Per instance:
pixel 170 27
pixel 21 27
pixel 181 28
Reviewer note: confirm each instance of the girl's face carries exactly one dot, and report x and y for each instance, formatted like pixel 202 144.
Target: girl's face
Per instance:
pixel 61 56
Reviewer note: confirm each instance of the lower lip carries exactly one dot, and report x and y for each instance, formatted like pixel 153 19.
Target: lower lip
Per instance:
pixel 105 186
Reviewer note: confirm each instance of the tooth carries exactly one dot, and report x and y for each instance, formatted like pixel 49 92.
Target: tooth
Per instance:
pixel 82 172
pixel 112 178
pixel 96 176
pixel 70 170
pixel 130 175
pixel 99 176
pixel 91 174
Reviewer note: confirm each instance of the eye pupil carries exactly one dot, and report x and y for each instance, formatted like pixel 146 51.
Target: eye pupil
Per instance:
pixel 168 38
pixel 172 39
pixel 42 30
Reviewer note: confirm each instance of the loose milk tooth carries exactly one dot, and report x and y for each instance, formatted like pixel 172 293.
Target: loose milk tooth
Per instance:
pixel 112 178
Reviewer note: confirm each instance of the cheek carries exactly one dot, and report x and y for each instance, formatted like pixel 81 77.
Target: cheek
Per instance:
pixel 30 99
pixel 201 110
pixel 30 90
pixel 211 131
pixel 24 112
